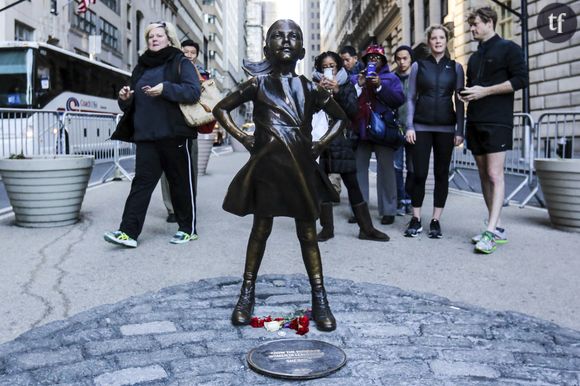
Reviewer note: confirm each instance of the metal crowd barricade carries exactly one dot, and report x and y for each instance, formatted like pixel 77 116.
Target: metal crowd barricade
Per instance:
pixel 29 132
pixel 519 160
pixel 557 135
pixel 39 132
pixel 87 133
pixel 122 151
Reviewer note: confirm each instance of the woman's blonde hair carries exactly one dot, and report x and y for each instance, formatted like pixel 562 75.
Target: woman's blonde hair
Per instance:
pixel 434 27
pixel 170 31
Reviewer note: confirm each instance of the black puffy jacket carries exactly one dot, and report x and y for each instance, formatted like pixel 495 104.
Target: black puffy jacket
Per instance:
pixel 436 84
pixel 182 86
pixel 339 157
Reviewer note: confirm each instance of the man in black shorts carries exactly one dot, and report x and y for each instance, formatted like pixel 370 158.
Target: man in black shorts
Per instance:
pixel 494 73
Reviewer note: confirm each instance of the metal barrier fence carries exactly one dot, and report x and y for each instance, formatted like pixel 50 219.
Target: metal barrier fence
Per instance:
pixel 519 160
pixel 29 132
pixel 122 151
pixel 556 135
pixel 88 133
pixel 40 132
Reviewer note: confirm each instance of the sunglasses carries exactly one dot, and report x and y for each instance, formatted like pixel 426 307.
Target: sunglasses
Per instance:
pixel 161 23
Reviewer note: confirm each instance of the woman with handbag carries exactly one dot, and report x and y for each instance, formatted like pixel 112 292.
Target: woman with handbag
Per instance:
pixel 153 120
pixel 433 124
pixel 379 92
pixel 339 157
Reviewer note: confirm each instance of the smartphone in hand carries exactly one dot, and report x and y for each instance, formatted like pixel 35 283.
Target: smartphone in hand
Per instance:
pixel 371 70
pixel 328 73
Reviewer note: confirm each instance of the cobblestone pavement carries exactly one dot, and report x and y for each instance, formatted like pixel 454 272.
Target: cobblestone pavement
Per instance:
pixel 182 335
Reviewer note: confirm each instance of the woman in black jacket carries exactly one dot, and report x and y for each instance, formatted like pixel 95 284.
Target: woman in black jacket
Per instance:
pixel 339 156
pixel 152 119
pixel 434 122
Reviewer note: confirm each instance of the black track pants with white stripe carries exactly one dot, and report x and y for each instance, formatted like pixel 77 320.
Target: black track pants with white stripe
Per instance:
pixel 173 157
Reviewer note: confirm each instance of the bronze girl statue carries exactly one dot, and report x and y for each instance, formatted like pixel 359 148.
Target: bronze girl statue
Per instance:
pixel 281 178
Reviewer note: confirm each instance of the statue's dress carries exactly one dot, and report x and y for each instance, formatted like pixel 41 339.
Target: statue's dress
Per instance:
pixel 281 178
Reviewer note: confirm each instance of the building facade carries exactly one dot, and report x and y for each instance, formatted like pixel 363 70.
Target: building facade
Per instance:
pixel 120 24
pixel 328 25
pixel 554 69
pixel 311 30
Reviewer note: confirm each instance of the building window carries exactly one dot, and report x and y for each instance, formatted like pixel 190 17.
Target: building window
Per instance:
pixel 86 22
pixel 444 10
pixel 128 16
pixel 412 20
pixel 426 16
pixel 211 19
pixel 23 32
pixel 113 4
pixel 504 21
pixel 109 35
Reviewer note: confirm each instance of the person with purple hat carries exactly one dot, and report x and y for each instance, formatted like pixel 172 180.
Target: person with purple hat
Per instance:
pixel 380 90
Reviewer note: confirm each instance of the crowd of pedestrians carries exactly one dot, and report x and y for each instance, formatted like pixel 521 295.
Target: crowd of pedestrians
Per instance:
pixel 426 98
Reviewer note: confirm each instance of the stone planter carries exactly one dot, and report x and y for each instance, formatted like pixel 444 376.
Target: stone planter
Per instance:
pixel 46 191
pixel 560 183
pixel 204 146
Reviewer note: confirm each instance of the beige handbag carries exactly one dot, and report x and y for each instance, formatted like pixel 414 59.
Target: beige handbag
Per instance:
pixel 199 113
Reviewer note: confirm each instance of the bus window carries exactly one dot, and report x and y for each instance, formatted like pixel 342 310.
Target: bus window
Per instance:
pixel 15 78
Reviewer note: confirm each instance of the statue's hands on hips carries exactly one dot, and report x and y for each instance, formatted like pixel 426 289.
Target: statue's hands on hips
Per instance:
pixel 248 141
pixel 316 149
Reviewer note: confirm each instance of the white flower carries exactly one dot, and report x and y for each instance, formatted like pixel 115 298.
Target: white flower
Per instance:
pixel 272 326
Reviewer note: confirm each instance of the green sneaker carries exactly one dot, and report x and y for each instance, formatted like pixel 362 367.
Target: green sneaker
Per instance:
pixel 182 238
pixel 120 238
pixel 499 236
pixel 486 243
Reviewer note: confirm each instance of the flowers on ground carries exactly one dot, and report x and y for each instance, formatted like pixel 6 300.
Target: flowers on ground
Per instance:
pixel 297 321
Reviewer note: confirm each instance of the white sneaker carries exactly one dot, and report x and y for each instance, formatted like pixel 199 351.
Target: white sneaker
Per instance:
pixel 120 238
pixel 499 236
pixel 182 238
pixel 486 243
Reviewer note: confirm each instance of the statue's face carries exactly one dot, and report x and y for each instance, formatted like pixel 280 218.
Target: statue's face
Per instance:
pixel 284 43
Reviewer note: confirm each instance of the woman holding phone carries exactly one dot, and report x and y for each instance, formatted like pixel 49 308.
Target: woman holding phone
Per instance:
pixel 380 90
pixel 433 124
pixel 339 157
pixel 162 79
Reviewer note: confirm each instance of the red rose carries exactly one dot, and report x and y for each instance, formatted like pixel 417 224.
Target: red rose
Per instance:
pixel 300 324
pixel 259 322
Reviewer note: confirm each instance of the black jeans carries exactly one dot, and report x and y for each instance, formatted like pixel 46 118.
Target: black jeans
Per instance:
pixel 351 182
pixel 442 145
pixel 171 156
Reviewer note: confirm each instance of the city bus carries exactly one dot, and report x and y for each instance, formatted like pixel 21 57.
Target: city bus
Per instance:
pixel 43 78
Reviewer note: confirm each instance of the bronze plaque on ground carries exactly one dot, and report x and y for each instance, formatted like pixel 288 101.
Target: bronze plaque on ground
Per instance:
pixel 296 359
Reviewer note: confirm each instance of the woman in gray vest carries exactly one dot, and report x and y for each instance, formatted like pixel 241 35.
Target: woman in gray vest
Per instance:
pixel 433 124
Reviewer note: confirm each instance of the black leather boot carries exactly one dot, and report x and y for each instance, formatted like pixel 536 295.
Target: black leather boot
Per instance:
pixel 242 314
pixel 367 230
pixel 321 312
pixel 327 222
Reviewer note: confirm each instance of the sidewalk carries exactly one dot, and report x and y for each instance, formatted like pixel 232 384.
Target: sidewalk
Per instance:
pixel 53 274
